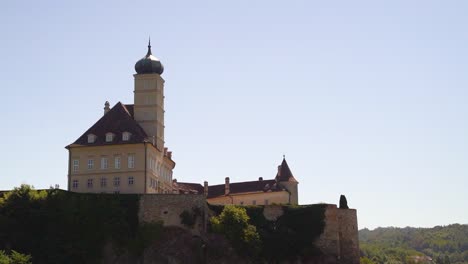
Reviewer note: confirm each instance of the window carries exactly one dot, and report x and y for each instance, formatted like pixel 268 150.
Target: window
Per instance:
pixel 104 163
pixel 75 184
pixel 126 136
pixel 90 164
pixel 266 201
pixel 91 138
pixel 76 164
pixel 90 183
pixel 131 161
pixel 103 182
pixel 116 181
pixel 131 180
pixel 117 162
pixel 242 202
pixel 254 202
pixel 109 137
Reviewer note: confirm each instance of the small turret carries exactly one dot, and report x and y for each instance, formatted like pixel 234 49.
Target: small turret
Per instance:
pixel 285 178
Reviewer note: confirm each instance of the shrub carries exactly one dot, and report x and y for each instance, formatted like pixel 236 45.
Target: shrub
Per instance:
pixel 233 223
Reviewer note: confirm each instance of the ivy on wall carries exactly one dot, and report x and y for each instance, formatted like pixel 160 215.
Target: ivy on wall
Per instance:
pixel 55 226
pixel 292 235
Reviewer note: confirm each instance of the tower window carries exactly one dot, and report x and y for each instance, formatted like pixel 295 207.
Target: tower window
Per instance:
pixel 116 181
pixel 90 183
pixel 117 162
pixel 126 136
pixel 131 161
pixel 104 163
pixel 103 182
pixel 76 164
pixel 91 138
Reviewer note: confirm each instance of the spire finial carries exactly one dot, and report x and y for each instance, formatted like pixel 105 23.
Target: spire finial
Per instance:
pixel 284 156
pixel 149 46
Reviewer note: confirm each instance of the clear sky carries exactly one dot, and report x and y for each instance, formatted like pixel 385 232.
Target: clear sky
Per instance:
pixel 365 98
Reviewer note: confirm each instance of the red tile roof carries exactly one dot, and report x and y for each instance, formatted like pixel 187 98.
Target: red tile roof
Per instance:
pixel 119 119
pixel 244 187
pixel 187 187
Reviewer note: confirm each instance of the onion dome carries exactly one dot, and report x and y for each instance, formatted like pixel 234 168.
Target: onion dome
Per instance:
pixel 149 63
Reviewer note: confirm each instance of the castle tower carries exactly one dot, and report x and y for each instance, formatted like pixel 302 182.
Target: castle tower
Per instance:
pixel 286 179
pixel 124 152
pixel 149 98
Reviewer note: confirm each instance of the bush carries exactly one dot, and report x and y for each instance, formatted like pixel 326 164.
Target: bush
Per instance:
pixel 233 223
pixel 14 258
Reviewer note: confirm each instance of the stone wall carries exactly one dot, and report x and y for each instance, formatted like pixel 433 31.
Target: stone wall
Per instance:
pixel 340 236
pixel 348 236
pixel 168 207
pixel 339 240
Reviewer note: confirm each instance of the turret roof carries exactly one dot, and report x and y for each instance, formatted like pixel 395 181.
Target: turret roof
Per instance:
pixel 284 173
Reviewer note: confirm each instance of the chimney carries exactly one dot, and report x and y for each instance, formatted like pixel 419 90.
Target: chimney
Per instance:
pixel 106 107
pixel 226 186
pixel 169 154
pixel 260 179
pixel 205 188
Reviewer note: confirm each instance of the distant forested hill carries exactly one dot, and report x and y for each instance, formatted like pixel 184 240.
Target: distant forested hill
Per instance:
pixel 440 245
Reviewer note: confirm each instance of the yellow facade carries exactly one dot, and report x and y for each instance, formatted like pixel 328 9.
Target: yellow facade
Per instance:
pixel 254 198
pixel 124 168
pixel 126 162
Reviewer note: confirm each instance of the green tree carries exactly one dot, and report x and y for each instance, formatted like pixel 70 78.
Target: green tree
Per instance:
pixel 233 223
pixel 14 258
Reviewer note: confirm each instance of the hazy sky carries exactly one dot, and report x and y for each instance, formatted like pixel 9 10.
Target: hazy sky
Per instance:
pixel 365 98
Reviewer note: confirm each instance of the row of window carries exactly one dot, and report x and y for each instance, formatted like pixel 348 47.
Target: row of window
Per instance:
pixel 105 163
pixel 159 169
pixel 103 182
pixel 109 137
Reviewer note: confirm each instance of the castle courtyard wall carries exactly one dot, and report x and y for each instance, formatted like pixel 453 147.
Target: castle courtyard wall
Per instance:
pixel 168 208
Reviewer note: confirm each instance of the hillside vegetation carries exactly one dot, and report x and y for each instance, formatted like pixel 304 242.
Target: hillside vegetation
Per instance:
pixel 440 245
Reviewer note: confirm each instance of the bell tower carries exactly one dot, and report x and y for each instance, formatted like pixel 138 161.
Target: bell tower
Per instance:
pixel 149 97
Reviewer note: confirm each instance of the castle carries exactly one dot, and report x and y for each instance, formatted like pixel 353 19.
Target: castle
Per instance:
pixel 125 152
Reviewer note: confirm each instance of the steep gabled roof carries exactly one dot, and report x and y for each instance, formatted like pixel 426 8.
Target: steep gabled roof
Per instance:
pixel 284 173
pixel 244 187
pixel 119 119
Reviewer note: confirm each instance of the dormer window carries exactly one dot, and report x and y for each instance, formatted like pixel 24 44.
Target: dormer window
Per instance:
pixel 109 137
pixel 91 138
pixel 126 136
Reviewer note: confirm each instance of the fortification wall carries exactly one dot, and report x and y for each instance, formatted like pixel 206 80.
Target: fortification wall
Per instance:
pixel 328 242
pixel 168 207
pixel 348 236
pixel 340 235
pixel 339 240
